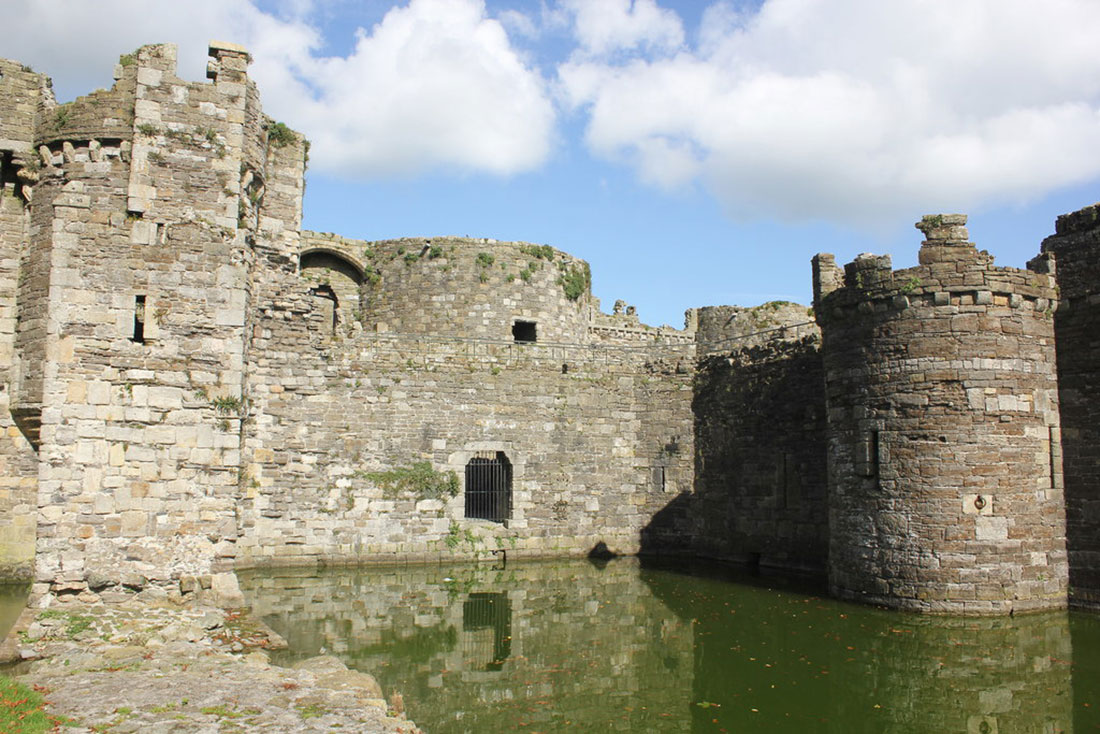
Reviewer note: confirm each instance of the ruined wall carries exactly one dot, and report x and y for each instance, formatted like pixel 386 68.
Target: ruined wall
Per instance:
pixel 623 327
pixel 945 489
pixel 476 288
pixel 22 90
pixel 428 369
pixel 135 299
pixel 1072 255
pixel 726 328
pixel 760 455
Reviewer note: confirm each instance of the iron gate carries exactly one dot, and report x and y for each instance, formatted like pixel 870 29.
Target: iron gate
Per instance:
pixel 489 487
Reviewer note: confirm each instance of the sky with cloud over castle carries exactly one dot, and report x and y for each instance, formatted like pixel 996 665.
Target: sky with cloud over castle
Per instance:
pixel 696 153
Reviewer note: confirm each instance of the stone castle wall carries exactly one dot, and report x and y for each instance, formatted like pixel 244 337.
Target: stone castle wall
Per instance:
pixel 597 442
pixel 722 329
pixel 476 288
pixel 196 384
pixel 940 385
pixel 132 307
pixel 760 479
pixel 21 89
pixel 1072 255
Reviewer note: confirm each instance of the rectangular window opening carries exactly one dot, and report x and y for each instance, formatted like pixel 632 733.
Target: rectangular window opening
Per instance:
pixel 876 457
pixel 524 332
pixel 139 320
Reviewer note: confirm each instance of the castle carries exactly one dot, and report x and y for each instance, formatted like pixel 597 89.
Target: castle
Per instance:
pixel 191 384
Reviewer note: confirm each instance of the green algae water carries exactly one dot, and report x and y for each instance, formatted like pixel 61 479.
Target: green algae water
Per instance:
pixel 13 597
pixel 621 646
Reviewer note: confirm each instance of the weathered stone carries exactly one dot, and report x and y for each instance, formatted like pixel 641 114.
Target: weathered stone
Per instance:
pixel 927 426
pixel 197 384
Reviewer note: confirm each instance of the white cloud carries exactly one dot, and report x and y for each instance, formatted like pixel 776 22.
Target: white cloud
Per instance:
pixel 519 23
pixel 436 83
pixel 607 26
pixel 856 109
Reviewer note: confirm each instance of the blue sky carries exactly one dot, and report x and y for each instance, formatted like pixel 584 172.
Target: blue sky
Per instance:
pixel 695 153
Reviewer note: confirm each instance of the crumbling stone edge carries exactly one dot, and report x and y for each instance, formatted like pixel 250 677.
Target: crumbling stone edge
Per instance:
pixel 187 655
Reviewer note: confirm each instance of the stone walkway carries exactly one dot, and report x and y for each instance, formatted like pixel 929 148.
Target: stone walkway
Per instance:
pixel 144 662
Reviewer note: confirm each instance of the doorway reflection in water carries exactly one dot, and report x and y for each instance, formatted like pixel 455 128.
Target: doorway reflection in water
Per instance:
pixel 571 646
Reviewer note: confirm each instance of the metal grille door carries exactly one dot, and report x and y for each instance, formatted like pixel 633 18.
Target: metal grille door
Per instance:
pixel 489 487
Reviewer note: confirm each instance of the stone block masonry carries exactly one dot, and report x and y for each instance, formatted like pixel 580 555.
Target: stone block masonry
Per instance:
pixel 1072 256
pixel 341 395
pixel 760 455
pixel 194 384
pixel 945 485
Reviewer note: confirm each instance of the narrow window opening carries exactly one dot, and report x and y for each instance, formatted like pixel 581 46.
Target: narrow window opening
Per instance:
pixel 489 487
pixel 139 320
pixel 868 456
pixel 524 332
pixel 1056 465
pixel 876 454
pixel 333 307
pixel 9 175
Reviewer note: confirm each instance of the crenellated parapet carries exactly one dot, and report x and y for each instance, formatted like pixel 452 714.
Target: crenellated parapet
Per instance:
pixel 952 272
pixel 942 396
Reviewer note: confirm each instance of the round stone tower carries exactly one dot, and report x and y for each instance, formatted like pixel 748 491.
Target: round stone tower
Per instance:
pixel 480 288
pixel 945 478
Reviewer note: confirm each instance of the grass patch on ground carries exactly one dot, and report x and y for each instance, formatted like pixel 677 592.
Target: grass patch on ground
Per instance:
pixel 21 710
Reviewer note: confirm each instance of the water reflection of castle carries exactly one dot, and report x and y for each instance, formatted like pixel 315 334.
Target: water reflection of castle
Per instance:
pixel 487 648
pixel 487 624
pixel 633 649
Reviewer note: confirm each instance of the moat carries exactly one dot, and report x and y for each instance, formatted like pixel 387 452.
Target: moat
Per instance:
pixel 631 646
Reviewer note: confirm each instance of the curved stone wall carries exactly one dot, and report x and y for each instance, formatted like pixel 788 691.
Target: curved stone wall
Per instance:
pixel 945 476
pixel 722 328
pixel 475 288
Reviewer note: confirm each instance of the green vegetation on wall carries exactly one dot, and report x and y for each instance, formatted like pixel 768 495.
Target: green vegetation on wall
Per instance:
pixel 419 480
pixel 575 280
pixel 280 136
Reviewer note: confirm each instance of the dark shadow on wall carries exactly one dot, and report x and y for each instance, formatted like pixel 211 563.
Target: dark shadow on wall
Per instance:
pixel 759 497
pixel 1079 396
pixel 669 530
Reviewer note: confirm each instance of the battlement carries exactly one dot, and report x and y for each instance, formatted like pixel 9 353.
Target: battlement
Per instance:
pixel 952 273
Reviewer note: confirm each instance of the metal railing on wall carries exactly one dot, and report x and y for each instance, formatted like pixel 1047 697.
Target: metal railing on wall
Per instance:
pixel 482 347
